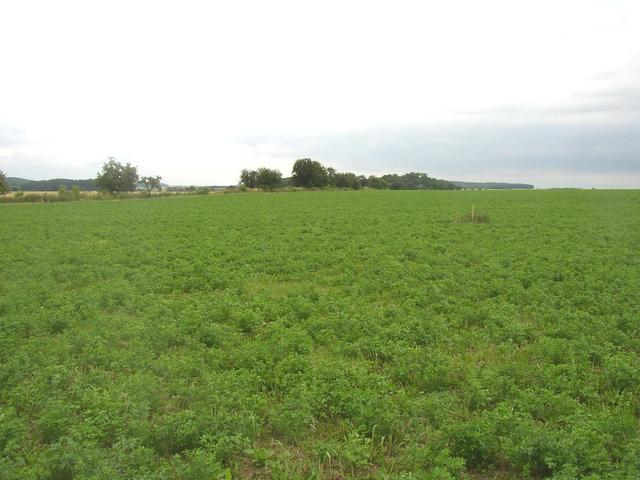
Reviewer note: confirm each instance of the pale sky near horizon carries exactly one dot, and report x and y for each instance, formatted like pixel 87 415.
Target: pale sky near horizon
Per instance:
pixel 542 92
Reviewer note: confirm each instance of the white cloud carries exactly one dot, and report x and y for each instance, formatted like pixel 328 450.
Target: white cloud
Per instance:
pixel 173 86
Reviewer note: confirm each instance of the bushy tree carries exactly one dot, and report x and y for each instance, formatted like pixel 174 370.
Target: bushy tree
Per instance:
pixel 309 173
pixel 249 178
pixel 265 178
pixel 331 174
pixel 4 185
pixel 268 178
pixel 149 183
pixel 116 177
pixel 347 180
pixel 377 183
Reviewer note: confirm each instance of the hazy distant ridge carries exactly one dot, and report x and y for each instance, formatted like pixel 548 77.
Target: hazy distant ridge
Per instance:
pixel 49 185
pixel 493 185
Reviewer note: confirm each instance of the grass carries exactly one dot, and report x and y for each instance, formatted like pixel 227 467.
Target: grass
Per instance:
pixel 327 335
pixel 474 217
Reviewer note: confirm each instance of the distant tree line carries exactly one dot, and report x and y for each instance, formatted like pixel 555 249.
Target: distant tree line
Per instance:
pixel 416 181
pixel 113 178
pixel 4 185
pixel 307 173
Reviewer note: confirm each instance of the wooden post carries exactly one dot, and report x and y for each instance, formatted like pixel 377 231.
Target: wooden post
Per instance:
pixel 473 209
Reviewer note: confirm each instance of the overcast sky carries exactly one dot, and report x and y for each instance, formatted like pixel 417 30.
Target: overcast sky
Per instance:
pixel 544 92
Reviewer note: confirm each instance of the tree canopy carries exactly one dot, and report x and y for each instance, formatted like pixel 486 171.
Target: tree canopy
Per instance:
pixel 149 183
pixel 377 183
pixel 346 180
pixel 249 178
pixel 309 173
pixel 265 178
pixel 268 178
pixel 4 186
pixel 116 177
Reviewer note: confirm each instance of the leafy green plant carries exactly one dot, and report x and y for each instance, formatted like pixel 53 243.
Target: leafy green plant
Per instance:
pixel 334 334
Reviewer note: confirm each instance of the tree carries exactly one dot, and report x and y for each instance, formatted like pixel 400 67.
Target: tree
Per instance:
pixel 331 174
pixel 309 173
pixel 149 183
pixel 116 177
pixel 268 178
pixel 4 185
pixel 249 178
pixel 377 183
pixel 346 180
pixel 265 178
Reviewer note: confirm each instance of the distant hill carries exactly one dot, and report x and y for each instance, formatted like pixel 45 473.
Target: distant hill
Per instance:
pixel 493 185
pixel 49 185
pixel 88 185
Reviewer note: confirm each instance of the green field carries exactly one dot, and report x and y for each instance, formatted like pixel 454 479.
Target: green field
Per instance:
pixel 322 335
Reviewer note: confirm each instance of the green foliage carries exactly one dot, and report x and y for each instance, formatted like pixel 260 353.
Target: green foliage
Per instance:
pixel 249 178
pixel 335 334
pixel 268 178
pixel 4 185
pixel 264 178
pixel 474 216
pixel 346 180
pixel 116 177
pixel 309 174
pixel 377 183
pixel 151 183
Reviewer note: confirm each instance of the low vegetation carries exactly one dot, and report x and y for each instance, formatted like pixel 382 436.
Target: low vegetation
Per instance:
pixel 76 195
pixel 322 335
pixel 474 216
